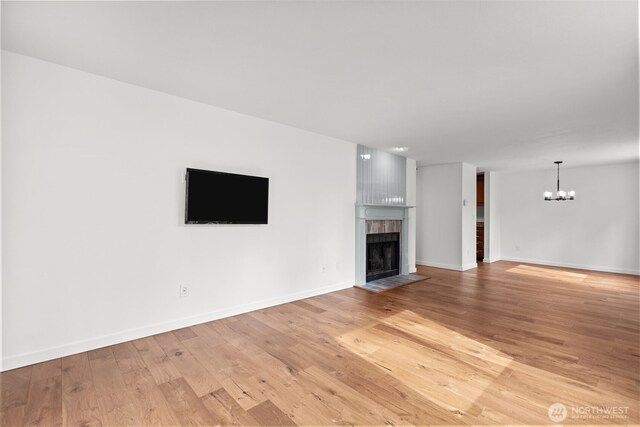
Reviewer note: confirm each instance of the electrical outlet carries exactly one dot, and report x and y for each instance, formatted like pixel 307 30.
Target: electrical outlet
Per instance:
pixel 184 291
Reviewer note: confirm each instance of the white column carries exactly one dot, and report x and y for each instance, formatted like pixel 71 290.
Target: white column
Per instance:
pixel 491 217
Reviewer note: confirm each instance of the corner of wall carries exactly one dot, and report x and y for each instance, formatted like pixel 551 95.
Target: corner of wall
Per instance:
pixel 492 216
pixel 469 266
pixel 439 216
pixel 411 201
pixel 1 261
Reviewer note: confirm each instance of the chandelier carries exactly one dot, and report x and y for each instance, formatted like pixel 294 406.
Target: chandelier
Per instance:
pixel 560 195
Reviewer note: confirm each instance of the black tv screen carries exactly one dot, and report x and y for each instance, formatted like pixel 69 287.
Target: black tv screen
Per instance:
pixel 226 198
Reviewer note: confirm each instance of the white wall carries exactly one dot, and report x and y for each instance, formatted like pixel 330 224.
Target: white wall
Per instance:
pixel 439 216
pixel 469 212
pixel 491 217
pixel 1 245
pixel 411 201
pixel 95 245
pixel 599 230
pixel 445 228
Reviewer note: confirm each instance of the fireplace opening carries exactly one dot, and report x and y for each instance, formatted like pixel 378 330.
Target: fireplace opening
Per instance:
pixel 383 255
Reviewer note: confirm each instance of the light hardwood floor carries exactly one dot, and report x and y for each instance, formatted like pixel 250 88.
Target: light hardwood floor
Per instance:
pixel 494 345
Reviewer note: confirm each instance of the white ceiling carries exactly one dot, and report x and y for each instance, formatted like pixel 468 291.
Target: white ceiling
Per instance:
pixel 497 84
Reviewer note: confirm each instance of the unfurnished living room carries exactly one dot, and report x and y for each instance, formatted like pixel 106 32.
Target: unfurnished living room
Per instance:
pixel 316 213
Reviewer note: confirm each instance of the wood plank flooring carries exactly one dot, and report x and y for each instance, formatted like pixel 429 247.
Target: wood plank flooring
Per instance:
pixel 494 345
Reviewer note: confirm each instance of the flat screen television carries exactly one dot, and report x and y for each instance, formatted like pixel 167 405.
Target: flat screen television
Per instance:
pixel 226 198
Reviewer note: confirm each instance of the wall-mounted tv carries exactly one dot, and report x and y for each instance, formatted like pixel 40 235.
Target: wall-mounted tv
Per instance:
pixel 226 198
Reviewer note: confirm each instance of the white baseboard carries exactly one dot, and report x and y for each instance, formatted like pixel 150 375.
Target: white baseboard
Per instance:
pixel 469 266
pixel 490 260
pixel 568 265
pixel 25 359
pixel 446 266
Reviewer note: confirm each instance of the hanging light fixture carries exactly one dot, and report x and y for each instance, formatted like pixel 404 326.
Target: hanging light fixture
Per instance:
pixel 560 195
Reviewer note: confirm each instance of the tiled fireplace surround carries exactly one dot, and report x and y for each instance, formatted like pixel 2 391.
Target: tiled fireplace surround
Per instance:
pixel 376 226
pixel 380 219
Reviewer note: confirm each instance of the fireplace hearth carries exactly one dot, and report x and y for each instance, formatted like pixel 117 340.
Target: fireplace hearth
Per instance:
pixel 383 255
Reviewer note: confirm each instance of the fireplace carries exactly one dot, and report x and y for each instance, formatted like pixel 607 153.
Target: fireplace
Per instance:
pixel 378 256
pixel 383 255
